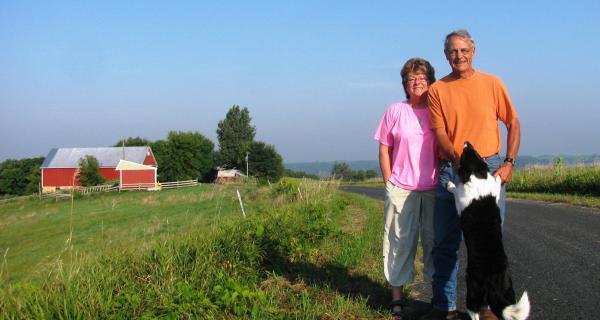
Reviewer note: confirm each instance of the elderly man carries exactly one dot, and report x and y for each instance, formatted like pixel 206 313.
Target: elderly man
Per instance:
pixel 464 106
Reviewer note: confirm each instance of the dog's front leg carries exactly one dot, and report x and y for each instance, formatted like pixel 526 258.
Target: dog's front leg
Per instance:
pixel 451 187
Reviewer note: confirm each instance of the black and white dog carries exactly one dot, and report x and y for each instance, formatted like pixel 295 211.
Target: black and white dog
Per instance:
pixel 476 195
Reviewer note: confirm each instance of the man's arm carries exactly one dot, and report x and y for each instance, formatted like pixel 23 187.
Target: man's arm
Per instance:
pixel 446 146
pixel 385 161
pixel 513 143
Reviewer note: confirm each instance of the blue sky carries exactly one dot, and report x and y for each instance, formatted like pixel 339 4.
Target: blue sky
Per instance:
pixel 315 75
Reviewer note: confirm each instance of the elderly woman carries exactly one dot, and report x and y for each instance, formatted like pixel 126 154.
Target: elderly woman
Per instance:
pixel 408 165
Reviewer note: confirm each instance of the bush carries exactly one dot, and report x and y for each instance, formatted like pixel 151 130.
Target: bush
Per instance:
pixel 89 172
pixel 288 187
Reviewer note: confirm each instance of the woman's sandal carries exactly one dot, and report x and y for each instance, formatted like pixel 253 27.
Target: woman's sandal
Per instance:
pixel 398 315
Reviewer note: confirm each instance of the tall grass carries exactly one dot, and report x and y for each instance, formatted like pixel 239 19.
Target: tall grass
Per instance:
pixel 284 261
pixel 557 179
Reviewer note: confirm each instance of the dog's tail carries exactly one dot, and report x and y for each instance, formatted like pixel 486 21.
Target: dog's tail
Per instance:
pixel 519 310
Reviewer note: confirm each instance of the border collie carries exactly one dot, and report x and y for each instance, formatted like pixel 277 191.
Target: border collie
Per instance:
pixel 476 195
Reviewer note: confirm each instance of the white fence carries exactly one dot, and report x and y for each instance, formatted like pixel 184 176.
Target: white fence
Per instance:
pixel 64 194
pixel 159 185
pixel 137 186
pixel 178 184
pixel 96 189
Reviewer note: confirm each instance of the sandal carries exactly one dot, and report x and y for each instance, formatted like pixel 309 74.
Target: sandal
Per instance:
pixel 398 315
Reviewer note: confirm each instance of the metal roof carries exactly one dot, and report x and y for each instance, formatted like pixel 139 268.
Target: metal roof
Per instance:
pixel 128 165
pixel 229 173
pixel 107 157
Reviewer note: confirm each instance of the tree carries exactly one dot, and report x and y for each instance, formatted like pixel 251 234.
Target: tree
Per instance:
pixel 299 174
pixel 20 177
pixel 133 142
pixel 265 162
pixel 184 156
pixel 89 172
pixel 371 173
pixel 235 135
pixel 340 169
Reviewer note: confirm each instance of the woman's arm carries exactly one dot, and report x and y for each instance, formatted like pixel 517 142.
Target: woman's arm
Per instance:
pixel 385 161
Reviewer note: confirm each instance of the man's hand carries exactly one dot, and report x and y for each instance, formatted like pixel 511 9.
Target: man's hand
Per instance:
pixel 505 172
pixel 455 159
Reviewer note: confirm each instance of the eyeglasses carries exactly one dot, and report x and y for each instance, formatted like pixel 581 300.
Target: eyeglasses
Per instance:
pixel 464 51
pixel 416 79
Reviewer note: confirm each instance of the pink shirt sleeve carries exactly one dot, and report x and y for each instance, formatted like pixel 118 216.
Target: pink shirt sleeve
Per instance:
pixel 383 134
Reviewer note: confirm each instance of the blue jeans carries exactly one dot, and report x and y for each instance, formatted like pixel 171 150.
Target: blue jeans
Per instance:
pixel 447 235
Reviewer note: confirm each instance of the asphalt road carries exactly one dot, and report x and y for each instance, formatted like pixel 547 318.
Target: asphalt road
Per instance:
pixel 554 254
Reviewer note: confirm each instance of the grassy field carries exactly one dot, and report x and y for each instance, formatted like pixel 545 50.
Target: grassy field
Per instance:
pixel 34 233
pixel 305 251
pixel 574 180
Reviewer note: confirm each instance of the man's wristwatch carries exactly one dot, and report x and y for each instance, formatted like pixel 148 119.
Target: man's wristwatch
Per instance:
pixel 510 160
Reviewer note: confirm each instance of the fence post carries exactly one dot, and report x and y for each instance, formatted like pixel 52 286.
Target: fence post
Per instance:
pixel 241 204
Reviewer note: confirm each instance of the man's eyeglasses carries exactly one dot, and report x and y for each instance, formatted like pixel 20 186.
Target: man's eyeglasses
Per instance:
pixel 464 51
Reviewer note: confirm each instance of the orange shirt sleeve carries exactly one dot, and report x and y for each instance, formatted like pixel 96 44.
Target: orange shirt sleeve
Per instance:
pixel 506 111
pixel 436 119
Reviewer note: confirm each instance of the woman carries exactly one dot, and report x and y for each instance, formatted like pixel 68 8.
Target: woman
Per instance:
pixel 408 165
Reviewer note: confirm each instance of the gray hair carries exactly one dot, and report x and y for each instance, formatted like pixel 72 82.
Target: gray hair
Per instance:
pixel 461 33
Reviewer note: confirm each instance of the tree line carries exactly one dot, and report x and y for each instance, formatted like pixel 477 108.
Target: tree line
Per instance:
pixel 342 170
pixel 181 156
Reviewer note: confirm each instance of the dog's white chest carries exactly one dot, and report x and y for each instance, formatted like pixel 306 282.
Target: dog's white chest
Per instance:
pixel 475 188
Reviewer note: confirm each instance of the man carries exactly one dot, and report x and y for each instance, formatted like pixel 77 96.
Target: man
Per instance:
pixel 464 106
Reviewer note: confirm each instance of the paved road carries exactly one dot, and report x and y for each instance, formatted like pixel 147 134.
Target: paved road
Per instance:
pixel 554 254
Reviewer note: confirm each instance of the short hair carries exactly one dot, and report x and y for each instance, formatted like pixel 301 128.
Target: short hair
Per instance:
pixel 416 65
pixel 461 33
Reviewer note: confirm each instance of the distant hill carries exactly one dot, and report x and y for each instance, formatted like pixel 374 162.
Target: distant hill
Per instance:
pixel 323 168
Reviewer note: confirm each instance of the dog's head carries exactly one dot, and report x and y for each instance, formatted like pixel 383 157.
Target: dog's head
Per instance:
pixel 471 163
pixel 475 181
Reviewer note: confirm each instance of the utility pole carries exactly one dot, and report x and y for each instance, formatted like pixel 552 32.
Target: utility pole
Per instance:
pixel 246 164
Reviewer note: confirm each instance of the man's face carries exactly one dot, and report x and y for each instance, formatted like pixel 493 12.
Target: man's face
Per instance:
pixel 460 54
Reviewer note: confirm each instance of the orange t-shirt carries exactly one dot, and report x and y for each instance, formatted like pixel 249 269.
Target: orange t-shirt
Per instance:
pixel 469 110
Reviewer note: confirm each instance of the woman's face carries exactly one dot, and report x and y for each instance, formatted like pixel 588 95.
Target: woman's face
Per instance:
pixel 416 84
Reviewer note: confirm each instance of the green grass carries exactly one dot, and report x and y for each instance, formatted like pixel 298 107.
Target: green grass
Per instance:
pixel 575 180
pixel 34 232
pixel 577 185
pixel 305 251
pixel 584 201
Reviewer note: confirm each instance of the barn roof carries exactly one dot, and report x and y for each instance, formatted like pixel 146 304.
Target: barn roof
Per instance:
pixel 230 173
pixel 107 157
pixel 128 165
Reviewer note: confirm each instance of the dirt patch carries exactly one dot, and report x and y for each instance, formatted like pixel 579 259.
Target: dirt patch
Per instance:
pixel 281 282
pixel 356 220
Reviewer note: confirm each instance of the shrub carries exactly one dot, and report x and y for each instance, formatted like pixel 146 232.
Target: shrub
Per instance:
pixel 89 172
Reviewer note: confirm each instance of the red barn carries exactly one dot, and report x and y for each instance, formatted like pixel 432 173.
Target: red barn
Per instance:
pixel 134 175
pixel 60 166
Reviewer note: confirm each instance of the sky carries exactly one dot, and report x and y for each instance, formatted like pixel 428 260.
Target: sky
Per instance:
pixel 316 75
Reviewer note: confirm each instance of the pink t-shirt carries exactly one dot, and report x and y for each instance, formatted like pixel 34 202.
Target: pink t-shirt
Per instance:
pixel 407 131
